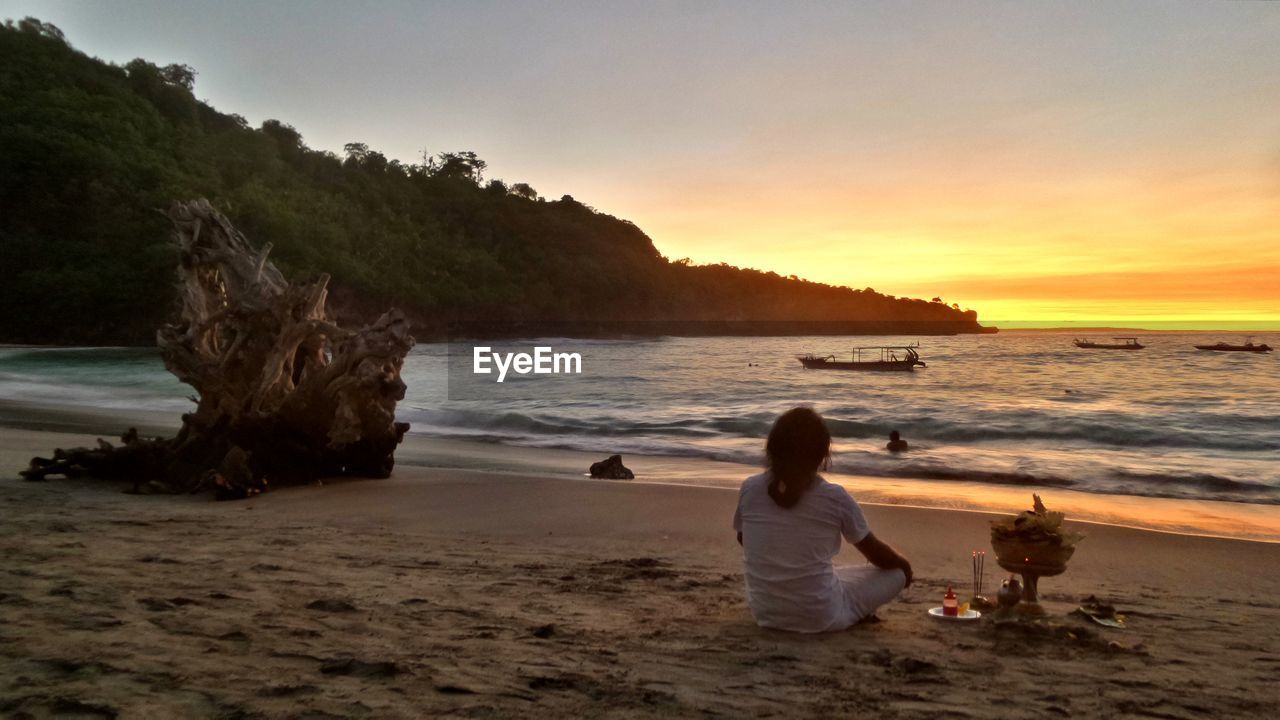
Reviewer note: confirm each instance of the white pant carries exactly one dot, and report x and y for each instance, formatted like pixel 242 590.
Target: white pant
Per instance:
pixel 867 587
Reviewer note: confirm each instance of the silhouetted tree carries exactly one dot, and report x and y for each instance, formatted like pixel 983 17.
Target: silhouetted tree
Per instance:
pixel 285 135
pixel 457 165
pixel 181 75
pixel 524 190
pixel 356 152
pixel 37 27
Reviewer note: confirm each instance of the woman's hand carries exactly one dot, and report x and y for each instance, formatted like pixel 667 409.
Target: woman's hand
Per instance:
pixel 880 554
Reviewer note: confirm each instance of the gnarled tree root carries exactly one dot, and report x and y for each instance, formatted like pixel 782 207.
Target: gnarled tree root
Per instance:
pixel 285 395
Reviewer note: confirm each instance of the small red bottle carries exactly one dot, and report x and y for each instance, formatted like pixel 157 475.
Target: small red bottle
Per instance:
pixel 949 604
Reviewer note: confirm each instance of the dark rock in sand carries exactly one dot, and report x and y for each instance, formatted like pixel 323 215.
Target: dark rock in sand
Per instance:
pixel 155 604
pixel 563 682
pixel 637 562
pixel 94 622
pixel 64 590
pixel 64 706
pixel 158 559
pixel 331 605
pixel 544 631
pixel 913 666
pixel 279 691
pixel 359 668
pixel 611 469
pixel 454 690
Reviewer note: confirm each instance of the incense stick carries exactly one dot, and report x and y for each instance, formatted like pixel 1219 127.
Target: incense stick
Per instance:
pixel 982 566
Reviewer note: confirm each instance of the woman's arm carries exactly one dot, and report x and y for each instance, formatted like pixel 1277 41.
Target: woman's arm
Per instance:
pixel 881 555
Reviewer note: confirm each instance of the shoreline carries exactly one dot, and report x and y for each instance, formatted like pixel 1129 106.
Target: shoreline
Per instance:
pixel 1202 518
pixel 1177 516
pixel 477 593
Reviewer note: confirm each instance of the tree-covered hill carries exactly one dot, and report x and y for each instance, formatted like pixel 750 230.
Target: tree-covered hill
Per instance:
pixel 89 151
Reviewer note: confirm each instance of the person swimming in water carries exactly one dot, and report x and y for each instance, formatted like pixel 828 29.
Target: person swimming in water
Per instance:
pixel 896 443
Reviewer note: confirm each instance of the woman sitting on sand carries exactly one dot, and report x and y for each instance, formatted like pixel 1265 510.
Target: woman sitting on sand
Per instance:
pixel 790 521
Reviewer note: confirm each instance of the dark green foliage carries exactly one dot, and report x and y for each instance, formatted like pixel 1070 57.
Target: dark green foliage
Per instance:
pixel 89 151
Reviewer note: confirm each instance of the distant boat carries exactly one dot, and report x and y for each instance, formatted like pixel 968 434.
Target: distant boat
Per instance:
pixel 1248 346
pixel 1128 344
pixel 875 358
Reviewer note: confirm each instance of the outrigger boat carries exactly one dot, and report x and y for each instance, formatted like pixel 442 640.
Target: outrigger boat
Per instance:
pixel 1130 343
pixel 865 358
pixel 1248 346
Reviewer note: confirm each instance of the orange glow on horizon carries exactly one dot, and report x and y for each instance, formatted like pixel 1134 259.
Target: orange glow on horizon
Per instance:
pixel 1202 245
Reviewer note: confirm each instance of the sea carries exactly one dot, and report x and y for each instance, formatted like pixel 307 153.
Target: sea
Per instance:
pixel 1020 409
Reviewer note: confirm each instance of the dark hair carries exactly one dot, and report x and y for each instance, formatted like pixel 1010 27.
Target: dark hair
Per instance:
pixel 893 435
pixel 798 446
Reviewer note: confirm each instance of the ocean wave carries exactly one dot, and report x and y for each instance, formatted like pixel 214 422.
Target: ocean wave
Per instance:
pixel 935 472
pixel 930 429
pixel 551 424
pixel 1112 480
pixel 1205 481
pixel 1007 410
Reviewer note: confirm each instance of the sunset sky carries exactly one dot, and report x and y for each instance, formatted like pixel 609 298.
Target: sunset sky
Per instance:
pixel 1032 161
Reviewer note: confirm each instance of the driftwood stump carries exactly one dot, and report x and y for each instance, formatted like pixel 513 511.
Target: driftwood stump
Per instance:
pixel 283 393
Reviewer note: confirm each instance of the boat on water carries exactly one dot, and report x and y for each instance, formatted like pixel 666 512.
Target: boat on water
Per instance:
pixel 1248 346
pixel 1127 343
pixel 900 358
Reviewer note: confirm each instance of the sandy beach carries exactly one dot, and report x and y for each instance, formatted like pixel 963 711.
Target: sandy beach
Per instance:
pixel 491 594
pixel 996 271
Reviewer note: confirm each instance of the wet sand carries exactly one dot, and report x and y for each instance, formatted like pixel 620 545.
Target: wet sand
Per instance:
pixel 495 594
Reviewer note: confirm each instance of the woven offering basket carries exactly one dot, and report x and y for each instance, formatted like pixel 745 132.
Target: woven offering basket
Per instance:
pixel 1033 544
pixel 1046 556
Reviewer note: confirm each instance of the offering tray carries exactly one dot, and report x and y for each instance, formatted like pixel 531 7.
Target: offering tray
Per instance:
pixel 1033 544
pixel 1032 561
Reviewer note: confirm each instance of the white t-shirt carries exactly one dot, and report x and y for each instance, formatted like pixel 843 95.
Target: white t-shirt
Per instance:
pixel 787 554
